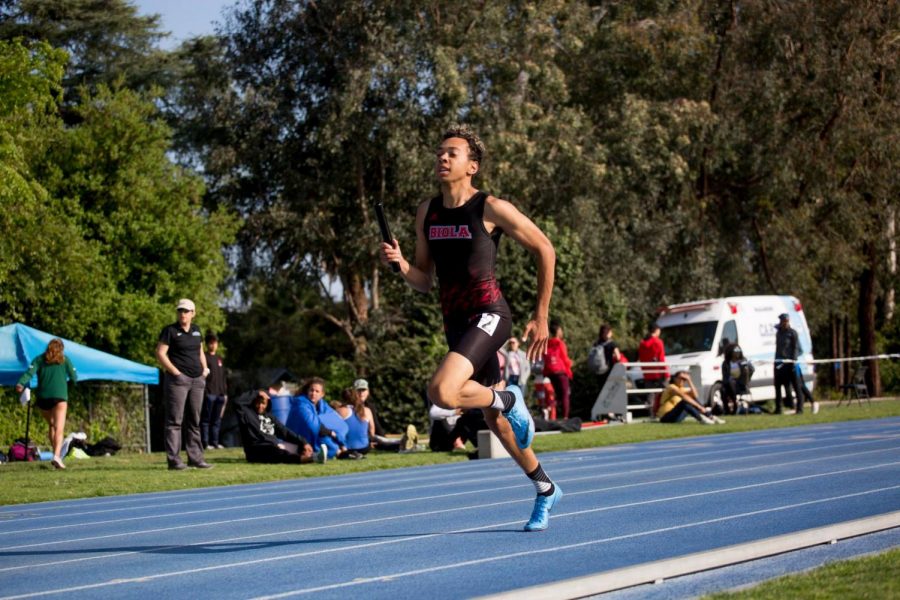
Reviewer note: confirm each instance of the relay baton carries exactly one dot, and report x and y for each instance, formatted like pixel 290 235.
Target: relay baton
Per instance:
pixel 385 232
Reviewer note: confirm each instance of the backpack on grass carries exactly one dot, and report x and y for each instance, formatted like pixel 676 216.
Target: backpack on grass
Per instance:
pixel 18 451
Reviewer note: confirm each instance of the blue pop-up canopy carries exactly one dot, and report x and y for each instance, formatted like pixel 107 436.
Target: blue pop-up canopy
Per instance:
pixel 19 344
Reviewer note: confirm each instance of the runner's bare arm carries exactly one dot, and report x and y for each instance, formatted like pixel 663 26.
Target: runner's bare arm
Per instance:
pixel 500 213
pixel 420 276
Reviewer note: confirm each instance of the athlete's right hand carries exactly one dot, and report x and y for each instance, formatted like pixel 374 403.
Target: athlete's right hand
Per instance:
pixel 391 253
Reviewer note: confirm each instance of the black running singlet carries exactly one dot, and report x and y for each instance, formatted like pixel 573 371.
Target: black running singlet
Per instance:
pixel 464 255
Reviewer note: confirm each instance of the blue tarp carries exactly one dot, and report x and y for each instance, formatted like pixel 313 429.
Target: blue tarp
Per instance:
pixel 19 344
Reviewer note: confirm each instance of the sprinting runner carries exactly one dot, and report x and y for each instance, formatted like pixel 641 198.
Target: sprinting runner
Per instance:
pixel 457 235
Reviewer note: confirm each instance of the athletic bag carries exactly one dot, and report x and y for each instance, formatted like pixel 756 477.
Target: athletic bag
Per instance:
pixel 597 362
pixel 18 451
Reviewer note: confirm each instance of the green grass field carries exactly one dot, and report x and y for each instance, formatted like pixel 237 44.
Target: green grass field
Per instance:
pixel 871 577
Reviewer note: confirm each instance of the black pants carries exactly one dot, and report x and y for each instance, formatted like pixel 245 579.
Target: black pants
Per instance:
pixel 786 376
pixel 466 428
pixel 679 412
pixel 270 454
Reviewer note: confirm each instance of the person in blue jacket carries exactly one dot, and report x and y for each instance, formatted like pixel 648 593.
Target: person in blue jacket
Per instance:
pixel 317 422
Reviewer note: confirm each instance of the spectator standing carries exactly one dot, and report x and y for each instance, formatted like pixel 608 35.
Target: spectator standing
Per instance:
pixel 787 347
pixel 558 367
pixel 180 352
pixel 651 349
pixel 215 398
pixel 265 438
pixel 54 371
pixel 679 400
pixel 518 368
pixel 610 351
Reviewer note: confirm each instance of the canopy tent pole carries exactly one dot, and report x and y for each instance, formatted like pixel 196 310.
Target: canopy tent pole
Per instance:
pixel 147 418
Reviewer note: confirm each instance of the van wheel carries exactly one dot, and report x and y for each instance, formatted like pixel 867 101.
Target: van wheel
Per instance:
pixel 715 396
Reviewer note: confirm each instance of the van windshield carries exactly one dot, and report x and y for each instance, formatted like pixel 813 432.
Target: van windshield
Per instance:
pixel 690 337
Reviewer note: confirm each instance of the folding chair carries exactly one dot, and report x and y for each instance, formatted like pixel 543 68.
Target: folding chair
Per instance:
pixel 857 387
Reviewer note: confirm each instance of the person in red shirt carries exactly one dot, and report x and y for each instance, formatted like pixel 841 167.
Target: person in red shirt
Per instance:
pixel 558 367
pixel 651 349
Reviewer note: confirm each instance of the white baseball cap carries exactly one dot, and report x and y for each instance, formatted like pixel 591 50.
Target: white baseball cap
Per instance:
pixel 187 304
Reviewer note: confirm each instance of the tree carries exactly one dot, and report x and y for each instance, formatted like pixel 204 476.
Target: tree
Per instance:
pixel 107 40
pixel 143 213
pixel 47 270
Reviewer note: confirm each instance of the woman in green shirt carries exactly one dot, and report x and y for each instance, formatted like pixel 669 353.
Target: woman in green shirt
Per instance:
pixel 54 371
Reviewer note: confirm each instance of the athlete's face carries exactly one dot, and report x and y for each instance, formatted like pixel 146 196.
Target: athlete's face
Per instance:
pixel 452 162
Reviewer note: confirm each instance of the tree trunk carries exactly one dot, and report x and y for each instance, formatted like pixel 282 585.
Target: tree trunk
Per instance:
pixel 866 317
pixel 836 352
pixel 889 300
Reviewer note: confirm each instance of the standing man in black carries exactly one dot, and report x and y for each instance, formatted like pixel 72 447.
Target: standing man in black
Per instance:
pixel 180 352
pixel 787 347
pixel 215 398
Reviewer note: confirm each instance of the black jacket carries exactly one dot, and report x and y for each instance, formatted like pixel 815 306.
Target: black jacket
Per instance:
pixel 252 435
pixel 787 344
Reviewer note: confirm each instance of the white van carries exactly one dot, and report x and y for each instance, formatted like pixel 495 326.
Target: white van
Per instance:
pixel 698 332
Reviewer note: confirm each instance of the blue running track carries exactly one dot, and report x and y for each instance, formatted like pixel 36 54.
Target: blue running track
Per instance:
pixel 452 531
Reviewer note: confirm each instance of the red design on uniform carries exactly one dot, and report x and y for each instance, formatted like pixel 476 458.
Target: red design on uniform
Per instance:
pixel 449 232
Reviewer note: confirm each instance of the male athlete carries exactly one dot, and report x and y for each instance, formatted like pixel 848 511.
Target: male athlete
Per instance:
pixel 457 235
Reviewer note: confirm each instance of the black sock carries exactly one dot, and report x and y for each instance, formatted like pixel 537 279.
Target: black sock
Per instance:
pixel 542 483
pixel 507 398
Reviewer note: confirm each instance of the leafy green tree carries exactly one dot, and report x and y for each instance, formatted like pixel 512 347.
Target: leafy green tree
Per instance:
pixel 107 41
pixel 47 269
pixel 143 213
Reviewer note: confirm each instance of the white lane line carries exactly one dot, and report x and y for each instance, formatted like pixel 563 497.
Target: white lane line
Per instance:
pixel 679 461
pixel 345 524
pixel 516 476
pixel 582 492
pixel 557 549
pixel 288 486
pixel 318 553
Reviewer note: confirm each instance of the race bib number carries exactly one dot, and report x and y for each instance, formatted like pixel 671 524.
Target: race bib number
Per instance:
pixel 488 323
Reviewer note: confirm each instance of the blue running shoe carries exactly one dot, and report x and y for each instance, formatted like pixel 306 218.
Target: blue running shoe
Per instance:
pixel 520 419
pixel 540 516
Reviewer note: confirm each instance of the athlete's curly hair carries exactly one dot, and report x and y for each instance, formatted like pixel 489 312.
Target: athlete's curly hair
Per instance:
pixel 54 353
pixel 476 146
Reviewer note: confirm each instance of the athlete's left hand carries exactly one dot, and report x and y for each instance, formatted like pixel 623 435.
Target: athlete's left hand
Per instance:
pixel 540 330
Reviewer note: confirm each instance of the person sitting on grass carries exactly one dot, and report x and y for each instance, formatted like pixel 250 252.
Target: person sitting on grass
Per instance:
pixel 319 423
pixel 266 439
pixel 358 417
pixel 679 400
